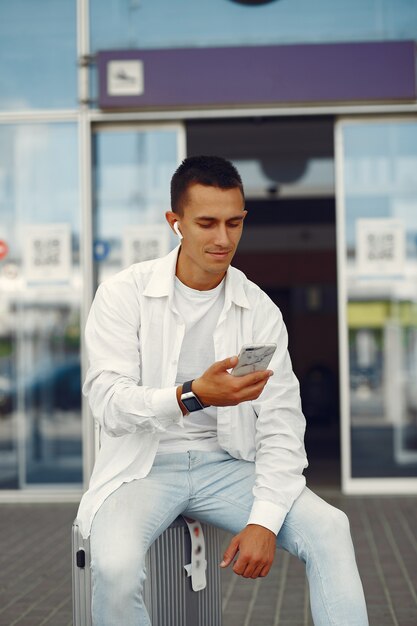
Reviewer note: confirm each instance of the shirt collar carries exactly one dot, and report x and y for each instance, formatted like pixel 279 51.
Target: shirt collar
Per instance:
pixel 234 288
pixel 162 281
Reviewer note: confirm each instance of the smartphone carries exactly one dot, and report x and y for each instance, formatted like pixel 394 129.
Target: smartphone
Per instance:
pixel 254 358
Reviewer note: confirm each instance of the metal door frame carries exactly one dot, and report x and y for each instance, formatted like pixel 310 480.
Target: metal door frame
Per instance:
pixel 354 485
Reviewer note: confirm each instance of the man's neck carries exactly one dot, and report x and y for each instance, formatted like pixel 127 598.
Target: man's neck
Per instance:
pixel 199 283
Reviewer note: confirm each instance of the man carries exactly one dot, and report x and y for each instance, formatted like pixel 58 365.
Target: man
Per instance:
pixel 168 327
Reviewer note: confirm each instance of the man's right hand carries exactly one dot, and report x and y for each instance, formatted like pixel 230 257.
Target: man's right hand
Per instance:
pixel 216 387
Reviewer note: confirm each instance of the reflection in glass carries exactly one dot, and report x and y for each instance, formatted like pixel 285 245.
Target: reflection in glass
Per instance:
pixel 188 23
pixel 40 293
pixel 133 169
pixel 380 161
pixel 38 49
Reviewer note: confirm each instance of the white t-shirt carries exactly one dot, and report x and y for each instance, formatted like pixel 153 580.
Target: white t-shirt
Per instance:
pixel 200 311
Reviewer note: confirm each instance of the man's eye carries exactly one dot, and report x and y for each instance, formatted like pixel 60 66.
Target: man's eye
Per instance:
pixel 205 225
pixel 235 224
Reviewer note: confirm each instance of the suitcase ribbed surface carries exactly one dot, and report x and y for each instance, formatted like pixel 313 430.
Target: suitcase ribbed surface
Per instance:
pixel 210 599
pixel 168 594
pixel 165 587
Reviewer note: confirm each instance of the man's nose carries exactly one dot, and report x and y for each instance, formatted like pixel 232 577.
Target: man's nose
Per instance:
pixel 222 236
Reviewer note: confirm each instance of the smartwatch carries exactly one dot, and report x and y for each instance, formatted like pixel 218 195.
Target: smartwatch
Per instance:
pixel 189 399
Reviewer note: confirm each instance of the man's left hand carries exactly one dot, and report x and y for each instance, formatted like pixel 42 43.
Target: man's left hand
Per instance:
pixel 256 546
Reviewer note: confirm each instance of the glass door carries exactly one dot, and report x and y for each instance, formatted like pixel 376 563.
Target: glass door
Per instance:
pixel 40 300
pixel 377 259
pixel 132 169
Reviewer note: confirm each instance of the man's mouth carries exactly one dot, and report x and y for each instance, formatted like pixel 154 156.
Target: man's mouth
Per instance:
pixel 219 252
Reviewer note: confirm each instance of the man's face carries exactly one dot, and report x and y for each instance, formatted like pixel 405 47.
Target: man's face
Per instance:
pixel 211 226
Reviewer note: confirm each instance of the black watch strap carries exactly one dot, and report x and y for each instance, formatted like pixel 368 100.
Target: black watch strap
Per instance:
pixel 186 387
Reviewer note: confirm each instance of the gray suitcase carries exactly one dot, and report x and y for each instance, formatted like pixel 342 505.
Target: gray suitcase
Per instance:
pixel 168 593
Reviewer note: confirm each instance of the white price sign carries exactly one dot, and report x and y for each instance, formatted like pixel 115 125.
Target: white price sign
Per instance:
pixel 380 247
pixel 142 243
pixel 47 253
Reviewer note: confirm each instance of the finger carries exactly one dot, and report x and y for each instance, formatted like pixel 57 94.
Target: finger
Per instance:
pixel 240 566
pixel 252 570
pixel 257 571
pixel 226 364
pixel 248 569
pixel 252 392
pixel 257 377
pixel 264 571
pixel 252 379
pixel 247 573
pixel 230 552
pixel 258 385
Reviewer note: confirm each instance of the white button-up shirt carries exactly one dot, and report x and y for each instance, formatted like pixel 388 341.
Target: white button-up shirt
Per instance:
pixel 133 337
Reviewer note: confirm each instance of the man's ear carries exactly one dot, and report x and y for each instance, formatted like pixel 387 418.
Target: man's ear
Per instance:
pixel 172 219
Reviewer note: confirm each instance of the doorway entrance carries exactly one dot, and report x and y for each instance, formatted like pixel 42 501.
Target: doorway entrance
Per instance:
pixel 289 249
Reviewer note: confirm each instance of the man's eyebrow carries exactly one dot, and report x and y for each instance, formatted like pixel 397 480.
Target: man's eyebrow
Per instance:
pixel 207 218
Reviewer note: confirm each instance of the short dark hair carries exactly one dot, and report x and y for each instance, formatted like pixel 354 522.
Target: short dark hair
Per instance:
pixel 212 171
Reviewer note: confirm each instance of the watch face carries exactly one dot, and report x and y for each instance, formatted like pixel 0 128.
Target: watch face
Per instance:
pixel 191 403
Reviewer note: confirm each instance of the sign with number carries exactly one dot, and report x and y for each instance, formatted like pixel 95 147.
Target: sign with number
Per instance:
pixel 47 253
pixel 380 247
pixel 142 243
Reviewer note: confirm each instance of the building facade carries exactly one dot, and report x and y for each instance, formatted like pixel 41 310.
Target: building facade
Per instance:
pixel 99 102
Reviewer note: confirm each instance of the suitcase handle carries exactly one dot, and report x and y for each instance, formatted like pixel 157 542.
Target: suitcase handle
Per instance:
pixel 80 558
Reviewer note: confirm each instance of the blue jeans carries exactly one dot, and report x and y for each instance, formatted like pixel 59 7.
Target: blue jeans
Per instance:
pixel 215 488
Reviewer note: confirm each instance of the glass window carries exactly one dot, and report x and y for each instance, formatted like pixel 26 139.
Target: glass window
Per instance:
pixel 167 24
pixel 380 191
pixel 40 295
pixel 133 169
pixel 38 53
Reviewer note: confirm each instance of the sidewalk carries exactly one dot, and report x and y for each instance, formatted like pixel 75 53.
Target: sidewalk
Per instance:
pixel 35 568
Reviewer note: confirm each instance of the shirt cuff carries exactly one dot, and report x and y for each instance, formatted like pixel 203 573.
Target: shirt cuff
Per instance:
pixel 165 407
pixel 267 514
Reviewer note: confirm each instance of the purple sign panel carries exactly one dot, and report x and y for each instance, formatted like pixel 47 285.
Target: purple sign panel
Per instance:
pixel 263 75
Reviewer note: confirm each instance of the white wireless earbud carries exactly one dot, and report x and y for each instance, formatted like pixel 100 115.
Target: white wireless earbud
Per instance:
pixel 177 230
